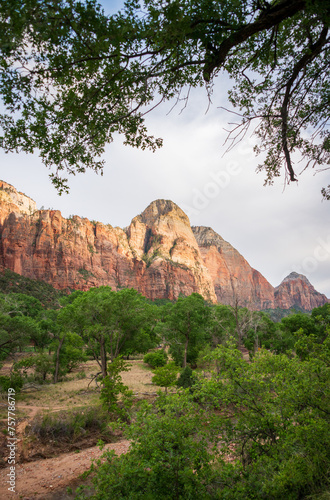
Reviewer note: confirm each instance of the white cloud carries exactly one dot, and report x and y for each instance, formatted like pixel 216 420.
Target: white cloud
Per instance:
pixel 275 230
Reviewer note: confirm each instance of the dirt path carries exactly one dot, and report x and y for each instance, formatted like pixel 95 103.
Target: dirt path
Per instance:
pixel 36 480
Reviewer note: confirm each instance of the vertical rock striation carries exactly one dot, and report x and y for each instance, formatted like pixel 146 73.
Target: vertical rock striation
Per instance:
pixel 159 255
pixel 162 237
pixel 296 291
pixel 235 281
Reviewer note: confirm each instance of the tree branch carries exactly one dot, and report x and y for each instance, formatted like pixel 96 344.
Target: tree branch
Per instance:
pixel 267 19
pixel 299 66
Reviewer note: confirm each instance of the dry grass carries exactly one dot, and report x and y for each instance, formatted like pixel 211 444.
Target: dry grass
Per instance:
pixel 138 379
pixel 75 391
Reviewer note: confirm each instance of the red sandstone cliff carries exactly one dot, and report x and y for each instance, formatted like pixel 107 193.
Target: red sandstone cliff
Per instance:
pixel 233 278
pixel 159 255
pixel 296 291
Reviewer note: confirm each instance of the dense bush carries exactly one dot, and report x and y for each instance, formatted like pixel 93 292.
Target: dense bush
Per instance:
pixel 169 457
pixel 14 381
pixel 253 430
pixel 166 376
pixel 156 359
pixel 41 363
pixel 186 378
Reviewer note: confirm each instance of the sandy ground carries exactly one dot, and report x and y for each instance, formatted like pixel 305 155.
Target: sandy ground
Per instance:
pixel 36 480
pixel 48 478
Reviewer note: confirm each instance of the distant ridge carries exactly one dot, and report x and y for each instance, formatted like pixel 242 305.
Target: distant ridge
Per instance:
pixel 159 254
pixel 296 291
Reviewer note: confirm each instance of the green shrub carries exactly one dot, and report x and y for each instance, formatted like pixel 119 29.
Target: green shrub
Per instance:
pixel 14 381
pixel 166 376
pixel 156 359
pixel 113 388
pixel 41 363
pixel 186 378
pixel 169 457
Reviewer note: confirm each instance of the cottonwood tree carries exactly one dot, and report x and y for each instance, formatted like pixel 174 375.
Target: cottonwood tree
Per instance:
pixel 187 328
pixel 110 322
pixel 257 430
pixel 275 419
pixel 243 324
pixel 71 77
pixel 17 322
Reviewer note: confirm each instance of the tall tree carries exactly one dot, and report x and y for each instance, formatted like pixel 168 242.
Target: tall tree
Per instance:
pixel 110 322
pixel 188 328
pixel 71 77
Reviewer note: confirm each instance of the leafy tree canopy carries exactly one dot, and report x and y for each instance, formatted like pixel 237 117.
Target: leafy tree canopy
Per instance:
pixel 71 77
pixel 111 322
pixel 275 421
pixel 187 328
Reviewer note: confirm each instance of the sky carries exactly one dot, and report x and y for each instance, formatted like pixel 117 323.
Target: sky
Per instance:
pixel 278 229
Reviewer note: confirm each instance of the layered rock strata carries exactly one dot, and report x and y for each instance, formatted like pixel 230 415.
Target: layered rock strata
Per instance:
pixel 235 281
pixel 159 255
pixel 296 291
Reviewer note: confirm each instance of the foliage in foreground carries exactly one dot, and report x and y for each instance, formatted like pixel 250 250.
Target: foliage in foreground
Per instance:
pixel 169 456
pixel 257 430
pixel 71 77
pixel 276 417
pixel 113 389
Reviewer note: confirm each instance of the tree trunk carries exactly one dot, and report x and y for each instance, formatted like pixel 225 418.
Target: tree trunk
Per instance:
pixel 103 356
pixel 57 365
pixel 185 353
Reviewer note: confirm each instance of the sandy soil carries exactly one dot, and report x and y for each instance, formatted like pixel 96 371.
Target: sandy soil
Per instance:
pixel 37 480
pixel 49 478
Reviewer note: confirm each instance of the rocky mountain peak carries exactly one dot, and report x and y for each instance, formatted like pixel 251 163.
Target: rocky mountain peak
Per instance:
pixel 296 291
pixel 162 208
pixel 12 200
pixel 206 236
pixel 296 276
pixel 159 255
pixel 233 277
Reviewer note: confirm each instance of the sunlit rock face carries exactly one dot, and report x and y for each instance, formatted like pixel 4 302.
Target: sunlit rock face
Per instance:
pixel 159 255
pixel 12 200
pixel 162 237
pixel 296 291
pixel 235 281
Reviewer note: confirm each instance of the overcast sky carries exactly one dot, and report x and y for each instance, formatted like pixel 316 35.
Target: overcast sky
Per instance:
pixel 277 230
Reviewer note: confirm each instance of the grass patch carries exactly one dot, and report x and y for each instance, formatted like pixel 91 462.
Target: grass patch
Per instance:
pixel 70 426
